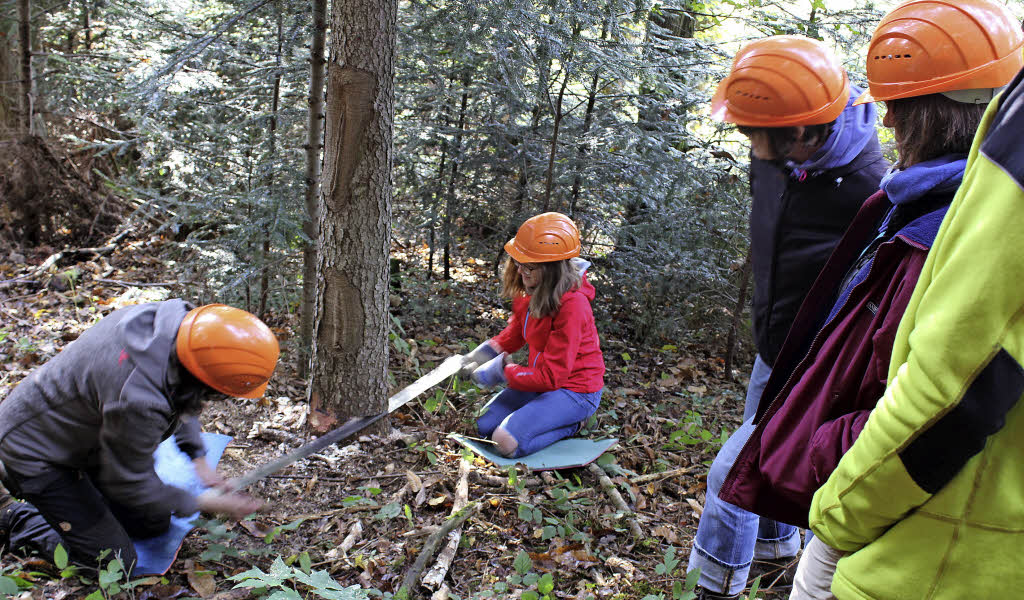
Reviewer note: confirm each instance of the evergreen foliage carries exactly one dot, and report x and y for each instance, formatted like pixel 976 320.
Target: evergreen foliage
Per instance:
pixel 196 113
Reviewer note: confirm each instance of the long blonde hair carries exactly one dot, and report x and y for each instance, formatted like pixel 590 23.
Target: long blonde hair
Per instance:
pixel 556 278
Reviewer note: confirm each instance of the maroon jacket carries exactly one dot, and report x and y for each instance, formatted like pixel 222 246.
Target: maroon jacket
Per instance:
pixel 826 381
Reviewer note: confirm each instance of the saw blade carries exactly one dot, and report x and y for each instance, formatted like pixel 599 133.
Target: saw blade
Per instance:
pixel 449 367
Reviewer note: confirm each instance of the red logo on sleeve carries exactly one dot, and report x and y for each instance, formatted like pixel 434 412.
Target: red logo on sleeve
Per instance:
pixel 123 357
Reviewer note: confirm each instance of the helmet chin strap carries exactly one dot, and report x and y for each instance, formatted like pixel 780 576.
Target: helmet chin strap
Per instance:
pixel 973 96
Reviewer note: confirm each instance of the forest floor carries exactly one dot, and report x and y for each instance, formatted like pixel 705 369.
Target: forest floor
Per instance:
pixel 363 512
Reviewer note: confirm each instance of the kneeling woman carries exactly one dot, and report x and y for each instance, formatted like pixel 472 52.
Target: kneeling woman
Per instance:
pixel 560 385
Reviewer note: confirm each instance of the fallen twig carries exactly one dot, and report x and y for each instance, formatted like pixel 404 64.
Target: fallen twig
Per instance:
pixel 613 494
pixel 413 574
pixel 435 576
pixel 136 283
pixel 649 477
pixel 496 481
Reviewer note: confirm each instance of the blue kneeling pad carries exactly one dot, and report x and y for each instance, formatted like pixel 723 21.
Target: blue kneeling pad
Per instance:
pixel 156 554
pixel 563 454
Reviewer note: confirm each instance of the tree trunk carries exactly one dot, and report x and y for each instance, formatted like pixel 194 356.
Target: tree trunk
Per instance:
pixel 87 24
pixel 588 119
pixel 28 95
pixel 737 314
pixel 10 89
pixel 450 203
pixel 554 140
pixel 275 103
pixel 350 339
pixel 435 202
pixel 314 143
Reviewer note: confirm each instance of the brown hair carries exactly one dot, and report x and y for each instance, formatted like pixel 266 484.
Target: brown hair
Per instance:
pixel 931 126
pixel 782 140
pixel 556 278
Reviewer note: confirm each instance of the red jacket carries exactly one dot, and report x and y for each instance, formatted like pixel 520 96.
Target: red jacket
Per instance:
pixel 565 351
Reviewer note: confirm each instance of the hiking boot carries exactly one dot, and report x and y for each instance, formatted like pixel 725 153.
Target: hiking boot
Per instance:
pixel 775 573
pixel 6 508
pixel 706 594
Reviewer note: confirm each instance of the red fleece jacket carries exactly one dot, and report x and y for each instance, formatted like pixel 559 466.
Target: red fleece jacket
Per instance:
pixel 565 351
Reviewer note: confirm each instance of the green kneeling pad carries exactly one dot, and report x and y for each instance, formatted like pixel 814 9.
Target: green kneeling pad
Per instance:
pixel 563 454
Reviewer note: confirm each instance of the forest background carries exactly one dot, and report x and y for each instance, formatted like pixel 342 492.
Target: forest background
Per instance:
pixel 189 135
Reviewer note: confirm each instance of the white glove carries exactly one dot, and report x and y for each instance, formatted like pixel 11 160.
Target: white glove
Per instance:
pixel 481 354
pixel 491 373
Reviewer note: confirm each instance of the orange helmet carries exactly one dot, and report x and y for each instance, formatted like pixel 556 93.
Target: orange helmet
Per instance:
pixel 935 46
pixel 228 349
pixel 782 81
pixel 546 237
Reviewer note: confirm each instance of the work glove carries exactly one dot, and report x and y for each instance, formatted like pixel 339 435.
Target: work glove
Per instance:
pixel 491 373
pixel 481 354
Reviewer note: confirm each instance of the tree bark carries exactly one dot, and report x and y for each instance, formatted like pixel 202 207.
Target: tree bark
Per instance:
pixel 10 88
pixel 354 224
pixel 275 103
pixel 27 79
pixel 450 200
pixel 314 144
pixel 737 314
pixel 549 183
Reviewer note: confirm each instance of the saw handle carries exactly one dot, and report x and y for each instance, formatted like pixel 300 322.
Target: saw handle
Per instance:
pixel 230 504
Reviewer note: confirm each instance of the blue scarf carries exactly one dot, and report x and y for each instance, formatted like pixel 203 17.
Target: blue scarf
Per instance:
pixel 852 130
pixel 938 176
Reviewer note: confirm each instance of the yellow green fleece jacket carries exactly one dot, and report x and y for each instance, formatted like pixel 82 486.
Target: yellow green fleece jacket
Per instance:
pixel 929 501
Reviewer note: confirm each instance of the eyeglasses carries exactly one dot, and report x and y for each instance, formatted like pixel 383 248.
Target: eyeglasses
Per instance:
pixel 525 268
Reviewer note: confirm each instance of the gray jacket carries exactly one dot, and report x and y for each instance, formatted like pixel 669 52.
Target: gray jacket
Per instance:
pixel 104 404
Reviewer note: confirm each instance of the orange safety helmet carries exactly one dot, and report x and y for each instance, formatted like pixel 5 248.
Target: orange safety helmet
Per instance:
pixel 546 237
pixel 936 46
pixel 782 81
pixel 228 349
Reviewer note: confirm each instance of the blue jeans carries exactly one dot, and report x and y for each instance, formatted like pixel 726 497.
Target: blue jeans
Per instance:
pixel 758 380
pixel 537 419
pixel 728 537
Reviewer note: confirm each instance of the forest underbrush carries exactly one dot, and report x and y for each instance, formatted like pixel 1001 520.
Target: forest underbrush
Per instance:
pixel 361 513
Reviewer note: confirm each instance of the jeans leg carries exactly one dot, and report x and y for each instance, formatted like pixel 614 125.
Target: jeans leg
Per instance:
pixel 758 380
pixel 776 540
pixel 724 545
pixel 549 417
pixel 505 403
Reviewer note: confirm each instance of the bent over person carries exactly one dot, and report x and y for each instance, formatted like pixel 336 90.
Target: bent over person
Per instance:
pixel 815 159
pixel 77 436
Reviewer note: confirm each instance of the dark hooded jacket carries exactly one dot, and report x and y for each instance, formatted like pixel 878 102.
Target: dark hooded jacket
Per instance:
pixel 104 404
pixel 799 212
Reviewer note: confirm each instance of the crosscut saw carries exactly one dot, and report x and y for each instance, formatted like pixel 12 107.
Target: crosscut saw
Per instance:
pixel 450 366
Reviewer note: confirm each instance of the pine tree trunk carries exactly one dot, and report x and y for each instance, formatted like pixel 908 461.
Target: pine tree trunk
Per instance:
pixel 588 119
pixel 9 85
pixel 350 339
pixel 314 144
pixel 737 315
pixel 450 200
pixel 275 103
pixel 554 141
pixel 27 79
